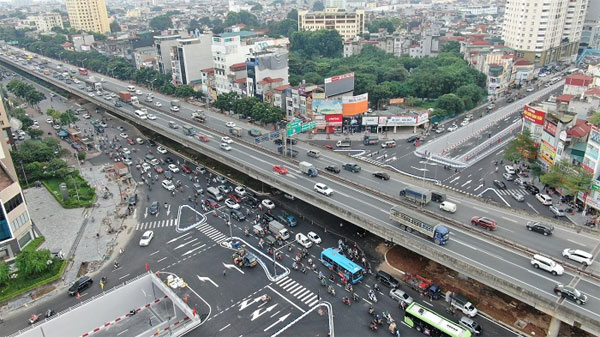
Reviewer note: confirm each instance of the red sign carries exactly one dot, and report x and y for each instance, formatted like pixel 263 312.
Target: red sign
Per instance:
pixel 550 128
pixel 534 115
pixel 333 118
pixel 338 78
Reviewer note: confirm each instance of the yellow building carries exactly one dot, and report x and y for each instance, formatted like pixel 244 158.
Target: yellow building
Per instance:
pixel 88 15
pixel 348 24
pixel 15 224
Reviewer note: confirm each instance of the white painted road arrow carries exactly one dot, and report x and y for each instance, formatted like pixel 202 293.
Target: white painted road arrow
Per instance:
pixel 281 319
pixel 204 279
pixel 169 210
pixel 229 266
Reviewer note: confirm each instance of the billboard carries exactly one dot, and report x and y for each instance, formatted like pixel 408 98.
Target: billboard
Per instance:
pixel 394 101
pixel 547 153
pixel 339 84
pixel 370 120
pixel 334 120
pixel 354 105
pixel 327 106
pixel 550 128
pixel 534 115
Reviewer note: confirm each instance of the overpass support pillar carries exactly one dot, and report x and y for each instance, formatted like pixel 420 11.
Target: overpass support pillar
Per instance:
pixel 554 327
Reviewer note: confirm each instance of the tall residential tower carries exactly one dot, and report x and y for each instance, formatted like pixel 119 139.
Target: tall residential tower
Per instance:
pixel 88 15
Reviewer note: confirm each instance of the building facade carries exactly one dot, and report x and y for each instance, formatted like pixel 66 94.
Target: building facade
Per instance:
pixel 348 24
pixel 88 15
pixel 544 32
pixel 163 44
pixel 266 69
pixel 45 22
pixel 15 224
pixel 189 57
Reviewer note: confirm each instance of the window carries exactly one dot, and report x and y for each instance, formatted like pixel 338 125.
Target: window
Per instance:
pixel 13 203
pixel 20 220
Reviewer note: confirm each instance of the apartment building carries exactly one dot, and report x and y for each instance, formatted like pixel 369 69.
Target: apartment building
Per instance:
pixel 189 57
pixel 544 31
pixel 88 15
pixel 266 69
pixel 163 44
pixel 15 224
pixel 46 21
pixel 348 24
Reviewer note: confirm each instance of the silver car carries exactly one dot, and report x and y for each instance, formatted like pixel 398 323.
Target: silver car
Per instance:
pixel 400 296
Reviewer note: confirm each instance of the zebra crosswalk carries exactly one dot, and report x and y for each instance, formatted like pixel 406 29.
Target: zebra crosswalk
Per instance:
pixel 370 161
pixel 212 233
pixel 300 292
pixel 156 224
pixel 520 191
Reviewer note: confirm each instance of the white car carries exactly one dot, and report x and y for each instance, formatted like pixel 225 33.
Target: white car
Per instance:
pixel 303 240
pixel 86 116
pixel 226 140
pixel 544 263
pixel 146 167
pixel 509 169
pixel 232 204
pixel 464 123
pixel 49 120
pixel 161 149
pixel 557 211
pixel 151 117
pixel 314 237
pixel 400 296
pixel 126 151
pixel 578 256
pixel 123 135
pixel 157 103
pixel 168 185
pixel 268 204
pixel 138 92
pixel 91 94
pixel 448 206
pixel 173 168
pixel 146 238
pixel 323 189
pixel 241 191
pixel 230 124
pixel 545 199
pixel 174 108
pixel 225 146
pixel 452 127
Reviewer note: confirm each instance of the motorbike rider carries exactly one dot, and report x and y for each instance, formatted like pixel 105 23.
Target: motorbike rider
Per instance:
pixel 321 276
pixel 331 290
pixel 371 311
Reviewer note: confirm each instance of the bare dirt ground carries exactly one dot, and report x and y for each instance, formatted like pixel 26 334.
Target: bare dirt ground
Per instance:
pixel 494 303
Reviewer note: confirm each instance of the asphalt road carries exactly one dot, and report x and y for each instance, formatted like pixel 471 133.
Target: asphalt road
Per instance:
pixel 464 245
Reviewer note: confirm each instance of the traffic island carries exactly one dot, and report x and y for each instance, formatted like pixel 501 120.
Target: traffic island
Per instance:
pixel 498 306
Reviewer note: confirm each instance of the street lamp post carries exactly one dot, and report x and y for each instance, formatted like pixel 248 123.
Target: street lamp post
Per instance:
pixel 152 84
pixel 275 252
pixel 85 59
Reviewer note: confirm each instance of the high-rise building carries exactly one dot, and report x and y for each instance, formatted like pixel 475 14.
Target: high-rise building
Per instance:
pixel 544 31
pixel 15 224
pixel 348 24
pixel 189 57
pixel 163 45
pixel 88 15
pixel 46 21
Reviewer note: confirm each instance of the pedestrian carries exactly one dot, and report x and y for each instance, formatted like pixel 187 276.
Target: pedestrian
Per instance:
pixel 224 273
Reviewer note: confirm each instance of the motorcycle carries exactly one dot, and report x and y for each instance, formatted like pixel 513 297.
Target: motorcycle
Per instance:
pixel 331 290
pixel 373 326
pixel 372 311
pixel 34 319
pixel 372 296
pixel 265 298
pixel 347 301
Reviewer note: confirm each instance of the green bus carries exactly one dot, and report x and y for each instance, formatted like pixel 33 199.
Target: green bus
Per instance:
pixel 423 319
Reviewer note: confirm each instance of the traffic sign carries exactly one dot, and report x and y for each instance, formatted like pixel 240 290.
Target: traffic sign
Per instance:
pixel 293 128
pixel 309 126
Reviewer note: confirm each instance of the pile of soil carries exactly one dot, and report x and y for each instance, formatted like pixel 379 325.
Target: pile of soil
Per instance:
pixel 494 303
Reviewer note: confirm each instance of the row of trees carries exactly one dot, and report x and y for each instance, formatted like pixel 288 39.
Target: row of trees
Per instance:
pixel 249 107
pixel 40 159
pixel 25 91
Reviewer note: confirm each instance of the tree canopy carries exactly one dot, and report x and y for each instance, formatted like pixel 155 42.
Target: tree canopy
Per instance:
pixel 571 179
pixel 310 44
pixel 161 22
pixel 522 148
pixel 115 27
pixel 390 24
pixel 245 17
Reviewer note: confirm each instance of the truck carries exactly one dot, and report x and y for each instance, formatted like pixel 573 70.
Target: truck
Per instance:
pixel 135 102
pixel 97 86
pixel 308 169
pixel 243 258
pixel 286 218
pixel 422 285
pixel 413 220
pixel 278 230
pixel 370 140
pixel 417 195
pixel 125 96
pixel 462 303
pixel 236 131
pixel 46 72
pixel 343 143
pixel 176 103
pixel 289 151
pixel 199 116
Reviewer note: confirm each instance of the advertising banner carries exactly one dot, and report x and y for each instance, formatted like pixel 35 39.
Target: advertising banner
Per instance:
pixel 547 153
pixel 370 120
pixel 354 105
pixel 339 84
pixel 550 128
pixel 422 118
pixel 327 106
pixel 534 115
pixel 396 101
pixel 334 120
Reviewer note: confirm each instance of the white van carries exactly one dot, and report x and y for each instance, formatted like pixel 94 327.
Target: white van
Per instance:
pixel 141 114
pixel 388 144
pixel 214 193
pixel 313 153
pixel 448 206
pixel 131 88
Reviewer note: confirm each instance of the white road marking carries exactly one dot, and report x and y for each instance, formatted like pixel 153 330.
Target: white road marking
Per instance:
pixel 204 279
pixel 468 182
pixel 577 243
pixel 285 298
pixel 225 327
pixel 478 187
pixel 453 180
pixel 281 319
pixel 535 210
pixel 509 219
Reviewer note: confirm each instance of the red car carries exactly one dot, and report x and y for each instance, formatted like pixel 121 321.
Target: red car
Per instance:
pixel 210 203
pixel 203 138
pixel 131 141
pixel 483 222
pixel 235 197
pixel 158 169
pixel 186 169
pixel 329 146
pixel 280 169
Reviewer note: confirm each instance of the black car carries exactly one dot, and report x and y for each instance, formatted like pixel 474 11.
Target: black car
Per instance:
pixel 332 169
pixel 151 142
pixel 352 167
pixel 412 139
pixel 133 200
pixel 80 285
pixel 501 185
pixel 169 160
pixel 386 279
pixel 238 215
pixel 268 217
pixel 118 104
pixel 168 175
pixel 570 293
pixel 532 189
pixel 252 201
pixel 381 175
pixel 154 207
pixel 540 227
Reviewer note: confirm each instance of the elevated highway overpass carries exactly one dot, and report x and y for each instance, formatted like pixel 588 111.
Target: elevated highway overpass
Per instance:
pixel 500 260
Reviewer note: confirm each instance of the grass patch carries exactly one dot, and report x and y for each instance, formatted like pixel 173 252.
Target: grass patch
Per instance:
pixel 35 244
pixel 80 193
pixel 24 283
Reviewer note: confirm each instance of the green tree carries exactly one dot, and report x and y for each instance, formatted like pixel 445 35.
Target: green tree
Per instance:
pixel 326 43
pixel 318 6
pixel 389 24
pixel 594 119
pixel 35 133
pixel 161 22
pixel 569 178
pixel 115 27
pixel 244 105
pixel 470 94
pixel 522 148
pixel 451 103
pixel 68 117
pixel 293 15
pixel 167 89
pixel 34 97
pixel 55 114
pixel 257 8
pixel 4 272
pixel 185 91
pixel 193 25
pixel 285 28
pixel 33 262
pixel 244 17
pixel 225 101
pixel 80 155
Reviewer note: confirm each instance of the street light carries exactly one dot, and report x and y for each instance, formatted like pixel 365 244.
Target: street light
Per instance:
pixel 85 59
pixel 152 84
pixel 275 252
